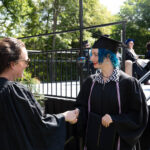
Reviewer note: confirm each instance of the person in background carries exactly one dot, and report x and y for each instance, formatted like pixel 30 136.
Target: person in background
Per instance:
pixel 86 48
pixel 133 65
pixel 113 111
pixel 147 55
pixel 88 66
pixel 130 56
pixel 23 126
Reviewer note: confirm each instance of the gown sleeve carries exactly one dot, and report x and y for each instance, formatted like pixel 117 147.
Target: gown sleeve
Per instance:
pixel 131 124
pixel 41 131
pixel 82 104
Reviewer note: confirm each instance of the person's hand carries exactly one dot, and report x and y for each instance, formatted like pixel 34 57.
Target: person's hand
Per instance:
pixel 71 116
pixel 106 120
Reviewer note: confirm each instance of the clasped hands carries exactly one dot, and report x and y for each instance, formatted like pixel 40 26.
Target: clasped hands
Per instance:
pixel 106 120
pixel 71 116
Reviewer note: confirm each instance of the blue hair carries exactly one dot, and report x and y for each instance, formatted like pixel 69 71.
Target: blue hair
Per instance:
pixel 102 54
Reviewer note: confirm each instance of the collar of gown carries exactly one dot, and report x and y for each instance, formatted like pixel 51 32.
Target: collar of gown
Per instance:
pixel 99 77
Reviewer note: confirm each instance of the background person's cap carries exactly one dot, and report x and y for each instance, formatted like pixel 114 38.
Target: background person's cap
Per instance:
pixel 128 40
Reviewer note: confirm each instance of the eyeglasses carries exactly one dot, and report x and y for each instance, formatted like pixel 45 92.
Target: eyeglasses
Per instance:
pixel 26 61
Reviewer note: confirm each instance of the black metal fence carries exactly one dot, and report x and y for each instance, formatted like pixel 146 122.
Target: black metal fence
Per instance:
pixel 58 72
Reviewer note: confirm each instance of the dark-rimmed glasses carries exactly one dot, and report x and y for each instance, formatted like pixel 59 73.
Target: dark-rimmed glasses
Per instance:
pixel 26 61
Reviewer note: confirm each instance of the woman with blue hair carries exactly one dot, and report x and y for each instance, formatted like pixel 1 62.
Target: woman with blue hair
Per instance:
pixel 113 111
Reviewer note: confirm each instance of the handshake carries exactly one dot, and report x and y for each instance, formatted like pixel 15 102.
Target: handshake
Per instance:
pixel 71 116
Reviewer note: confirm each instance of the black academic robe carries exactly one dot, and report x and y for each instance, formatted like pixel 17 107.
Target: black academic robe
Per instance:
pixel 22 125
pixel 129 125
pixel 145 138
pixel 147 55
pixel 138 70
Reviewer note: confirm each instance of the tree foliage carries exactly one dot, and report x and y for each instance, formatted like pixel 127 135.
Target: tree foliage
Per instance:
pixel 21 18
pixel 136 12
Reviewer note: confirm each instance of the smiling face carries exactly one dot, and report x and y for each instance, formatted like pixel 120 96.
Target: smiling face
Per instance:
pixel 94 59
pixel 21 64
pixel 13 58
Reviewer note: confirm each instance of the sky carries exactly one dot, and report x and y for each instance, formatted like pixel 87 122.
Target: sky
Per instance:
pixel 112 5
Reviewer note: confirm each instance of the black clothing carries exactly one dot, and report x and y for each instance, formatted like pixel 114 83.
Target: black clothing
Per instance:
pixel 138 70
pixel 130 56
pixel 22 125
pixel 145 138
pixel 147 55
pixel 129 125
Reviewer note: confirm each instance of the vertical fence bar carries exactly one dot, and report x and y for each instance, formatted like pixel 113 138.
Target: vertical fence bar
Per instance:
pixel 66 72
pixel 43 79
pixel 123 38
pixel 71 76
pixel 51 73
pixel 81 37
pixel 61 73
pixel 56 70
pixel 34 66
pixel 76 75
pixel 47 70
pixel 30 65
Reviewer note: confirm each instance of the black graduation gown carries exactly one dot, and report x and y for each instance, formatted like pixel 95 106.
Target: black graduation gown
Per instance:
pixel 138 70
pixel 129 125
pixel 22 125
pixel 147 55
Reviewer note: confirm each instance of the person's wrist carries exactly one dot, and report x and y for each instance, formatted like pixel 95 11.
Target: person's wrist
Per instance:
pixel 65 116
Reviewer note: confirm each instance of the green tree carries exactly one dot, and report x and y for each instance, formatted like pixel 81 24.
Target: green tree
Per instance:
pixel 14 16
pixel 32 17
pixel 136 12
